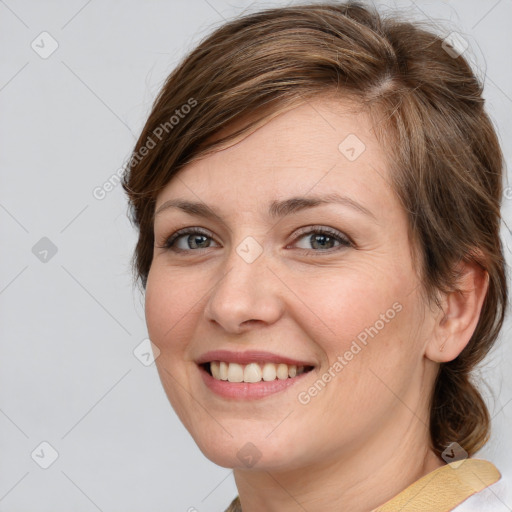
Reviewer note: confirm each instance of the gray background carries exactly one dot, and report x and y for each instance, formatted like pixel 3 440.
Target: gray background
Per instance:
pixel 70 323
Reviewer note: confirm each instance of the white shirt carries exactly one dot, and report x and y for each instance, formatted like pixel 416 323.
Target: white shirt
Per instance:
pixel 495 498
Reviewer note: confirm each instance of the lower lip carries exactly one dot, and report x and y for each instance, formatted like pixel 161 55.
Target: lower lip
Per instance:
pixel 248 390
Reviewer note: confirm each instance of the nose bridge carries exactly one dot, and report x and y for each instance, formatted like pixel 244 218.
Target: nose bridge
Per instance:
pixel 247 290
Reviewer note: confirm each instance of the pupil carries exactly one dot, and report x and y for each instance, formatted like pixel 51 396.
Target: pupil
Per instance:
pixel 319 237
pixel 195 238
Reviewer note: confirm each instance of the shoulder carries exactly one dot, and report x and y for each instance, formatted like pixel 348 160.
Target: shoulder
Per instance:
pixel 497 497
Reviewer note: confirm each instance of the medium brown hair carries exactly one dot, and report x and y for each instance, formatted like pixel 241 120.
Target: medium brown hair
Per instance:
pixel 446 164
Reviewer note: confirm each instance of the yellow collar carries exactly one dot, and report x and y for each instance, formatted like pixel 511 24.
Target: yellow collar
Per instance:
pixel 444 488
pixel 440 490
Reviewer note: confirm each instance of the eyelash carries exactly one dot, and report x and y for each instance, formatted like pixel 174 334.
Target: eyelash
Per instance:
pixel 343 240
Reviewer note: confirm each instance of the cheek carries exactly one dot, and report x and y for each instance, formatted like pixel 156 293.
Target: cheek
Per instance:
pixel 156 309
pixel 167 309
pixel 366 323
pixel 348 303
pixel 168 303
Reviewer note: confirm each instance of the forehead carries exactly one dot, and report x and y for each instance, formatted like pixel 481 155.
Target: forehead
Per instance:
pixel 323 145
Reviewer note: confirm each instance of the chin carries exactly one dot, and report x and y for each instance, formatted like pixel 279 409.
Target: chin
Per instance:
pixel 247 451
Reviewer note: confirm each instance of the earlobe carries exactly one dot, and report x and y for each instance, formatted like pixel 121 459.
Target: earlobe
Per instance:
pixel 455 325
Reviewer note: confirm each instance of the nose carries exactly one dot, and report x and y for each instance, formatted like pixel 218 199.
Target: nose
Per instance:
pixel 247 295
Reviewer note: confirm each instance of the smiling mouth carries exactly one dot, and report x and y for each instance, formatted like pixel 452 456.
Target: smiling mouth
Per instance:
pixel 253 372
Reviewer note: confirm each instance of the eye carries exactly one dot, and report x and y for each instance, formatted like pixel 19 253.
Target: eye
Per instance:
pixel 186 240
pixel 322 239
pixel 312 238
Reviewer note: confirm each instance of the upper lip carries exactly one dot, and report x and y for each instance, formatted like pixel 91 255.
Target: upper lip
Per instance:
pixel 249 356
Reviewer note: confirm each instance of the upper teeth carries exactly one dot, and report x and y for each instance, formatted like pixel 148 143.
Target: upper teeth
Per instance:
pixel 253 372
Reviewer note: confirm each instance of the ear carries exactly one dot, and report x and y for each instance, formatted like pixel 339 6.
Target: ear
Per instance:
pixel 455 326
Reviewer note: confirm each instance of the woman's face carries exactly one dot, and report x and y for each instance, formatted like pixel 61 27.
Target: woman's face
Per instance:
pixel 306 262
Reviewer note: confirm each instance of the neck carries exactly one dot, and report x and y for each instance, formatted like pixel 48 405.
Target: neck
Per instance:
pixel 359 479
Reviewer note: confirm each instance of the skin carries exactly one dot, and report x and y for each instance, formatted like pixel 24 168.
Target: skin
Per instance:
pixel 364 437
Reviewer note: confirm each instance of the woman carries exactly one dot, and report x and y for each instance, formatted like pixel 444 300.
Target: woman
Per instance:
pixel 317 192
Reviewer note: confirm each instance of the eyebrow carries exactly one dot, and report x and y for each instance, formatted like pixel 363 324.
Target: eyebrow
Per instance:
pixel 277 209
